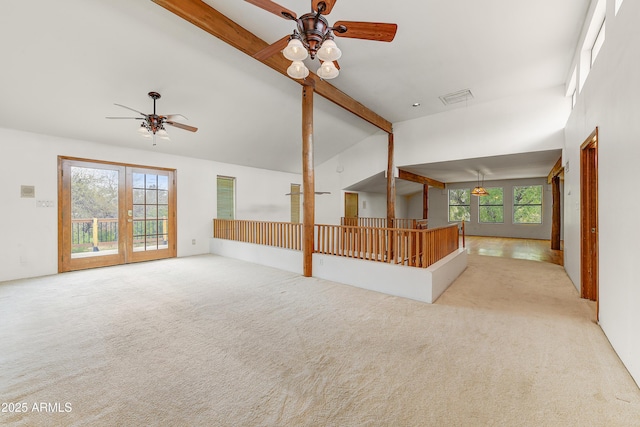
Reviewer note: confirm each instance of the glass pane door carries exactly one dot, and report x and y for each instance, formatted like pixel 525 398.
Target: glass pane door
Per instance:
pixel 94 212
pixel 91 215
pixel 152 214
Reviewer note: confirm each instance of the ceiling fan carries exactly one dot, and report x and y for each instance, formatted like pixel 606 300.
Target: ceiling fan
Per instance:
pixel 153 124
pixel 314 37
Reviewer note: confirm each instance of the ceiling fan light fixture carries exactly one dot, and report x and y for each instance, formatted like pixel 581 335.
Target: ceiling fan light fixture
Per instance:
pixel 329 51
pixel 328 70
pixel 142 130
pixel 295 51
pixel 162 133
pixel 297 70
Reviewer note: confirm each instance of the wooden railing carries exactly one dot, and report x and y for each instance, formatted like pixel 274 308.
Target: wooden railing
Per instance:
pixel 285 235
pixel 382 222
pixel 410 247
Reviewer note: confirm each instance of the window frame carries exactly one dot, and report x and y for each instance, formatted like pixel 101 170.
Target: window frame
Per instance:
pixel 468 205
pixel 480 205
pixel 598 42
pixel 516 205
pixel 224 195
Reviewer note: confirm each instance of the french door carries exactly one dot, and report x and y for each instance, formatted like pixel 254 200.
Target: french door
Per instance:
pixel 110 213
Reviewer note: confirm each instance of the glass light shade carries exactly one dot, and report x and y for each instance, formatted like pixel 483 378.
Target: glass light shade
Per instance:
pixel 295 51
pixel 328 71
pixel 297 70
pixel 329 51
pixel 479 191
pixel 162 133
pixel 143 131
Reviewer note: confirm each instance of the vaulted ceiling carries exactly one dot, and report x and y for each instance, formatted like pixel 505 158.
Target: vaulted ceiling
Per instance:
pixel 64 65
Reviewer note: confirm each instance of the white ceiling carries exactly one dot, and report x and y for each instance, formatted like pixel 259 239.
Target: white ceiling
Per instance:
pixel 65 64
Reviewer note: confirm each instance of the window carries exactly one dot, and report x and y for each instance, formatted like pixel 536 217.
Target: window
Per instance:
pixel 572 87
pixel 527 204
pixel 491 208
pixel 593 40
pixel 597 44
pixel 295 203
pixel 226 197
pixel 459 207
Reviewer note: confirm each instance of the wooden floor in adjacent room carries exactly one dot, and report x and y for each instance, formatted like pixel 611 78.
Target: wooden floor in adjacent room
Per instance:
pixel 531 249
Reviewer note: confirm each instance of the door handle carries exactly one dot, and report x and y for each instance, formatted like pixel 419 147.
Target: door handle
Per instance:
pixel 130 212
pixel 129 220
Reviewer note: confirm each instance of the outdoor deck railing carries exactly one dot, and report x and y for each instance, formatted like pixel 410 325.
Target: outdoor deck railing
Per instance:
pixel 285 235
pixel 91 233
pixel 410 247
pixel 95 234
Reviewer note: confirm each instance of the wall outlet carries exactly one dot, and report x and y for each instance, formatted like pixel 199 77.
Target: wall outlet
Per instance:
pixel 193 241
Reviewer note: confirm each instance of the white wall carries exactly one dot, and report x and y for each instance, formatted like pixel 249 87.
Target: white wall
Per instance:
pixel 439 210
pixel 30 234
pixel 367 158
pixel 523 123
pixel 609 100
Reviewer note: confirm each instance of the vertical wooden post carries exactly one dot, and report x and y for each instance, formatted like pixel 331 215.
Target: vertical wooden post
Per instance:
pixel 391 185
pixel 308 180
pixel 391 195
pixel 555 224
pixel 425 201
pixel 95 234
pixel 164 228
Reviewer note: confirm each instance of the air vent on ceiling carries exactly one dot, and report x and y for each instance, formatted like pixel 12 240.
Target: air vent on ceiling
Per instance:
pixel 456 97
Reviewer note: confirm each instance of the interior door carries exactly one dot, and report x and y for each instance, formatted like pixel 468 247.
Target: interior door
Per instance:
pixel 110 214
pixel 589 217
pixel 351 208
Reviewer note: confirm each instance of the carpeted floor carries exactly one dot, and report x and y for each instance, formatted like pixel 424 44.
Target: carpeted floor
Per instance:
pixel 213 341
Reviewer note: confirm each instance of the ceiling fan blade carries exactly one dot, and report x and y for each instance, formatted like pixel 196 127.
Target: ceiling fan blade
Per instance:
pixel 272 49
pixel 328 5
pixel 133 118
pixel 365 30
pixel 129 108
pixel 181 126
pixel 274 8
pixel 175 116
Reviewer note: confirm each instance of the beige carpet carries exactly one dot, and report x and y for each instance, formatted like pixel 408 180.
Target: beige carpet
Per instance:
pixel 212 341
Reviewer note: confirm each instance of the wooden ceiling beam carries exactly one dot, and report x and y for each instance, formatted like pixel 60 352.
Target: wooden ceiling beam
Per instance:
pixel 215 23
pixel 410 176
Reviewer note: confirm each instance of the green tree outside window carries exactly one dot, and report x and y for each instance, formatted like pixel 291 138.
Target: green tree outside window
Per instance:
pixel 527 204
pixel 459 205
pixel 492 206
